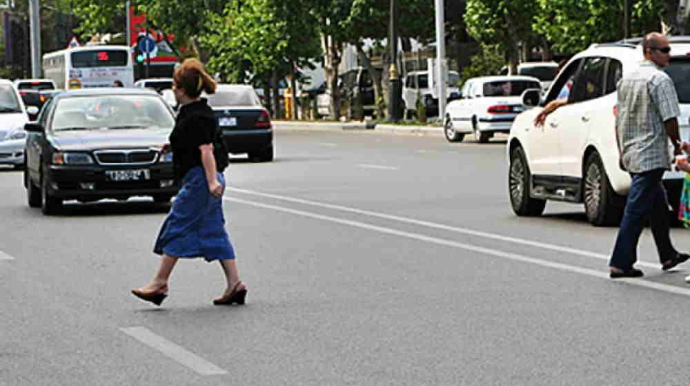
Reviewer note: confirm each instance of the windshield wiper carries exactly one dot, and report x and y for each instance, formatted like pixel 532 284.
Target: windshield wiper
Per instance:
pixel 7 109
pixel 73 128
pixel 125 127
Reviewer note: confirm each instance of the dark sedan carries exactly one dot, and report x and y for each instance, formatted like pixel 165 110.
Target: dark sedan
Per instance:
pixel 89 145
pixel 245 123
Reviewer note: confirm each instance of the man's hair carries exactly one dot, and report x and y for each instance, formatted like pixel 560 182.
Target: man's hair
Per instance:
pixel 650 40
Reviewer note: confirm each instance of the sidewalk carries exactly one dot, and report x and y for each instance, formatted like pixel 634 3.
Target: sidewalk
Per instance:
pixel 338 126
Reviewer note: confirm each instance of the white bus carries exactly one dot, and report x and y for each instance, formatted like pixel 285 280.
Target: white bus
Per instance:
pixel 89 66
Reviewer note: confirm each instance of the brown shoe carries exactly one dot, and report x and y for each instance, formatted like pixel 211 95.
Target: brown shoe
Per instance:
pixel 237 295
pixel 155 297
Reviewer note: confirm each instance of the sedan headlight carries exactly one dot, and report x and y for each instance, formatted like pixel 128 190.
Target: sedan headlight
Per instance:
pixel 166 157
pixel 18 134
pixel 72 159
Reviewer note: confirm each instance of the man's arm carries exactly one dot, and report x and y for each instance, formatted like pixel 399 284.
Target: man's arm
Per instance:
pixel 550 107
pixel 671 126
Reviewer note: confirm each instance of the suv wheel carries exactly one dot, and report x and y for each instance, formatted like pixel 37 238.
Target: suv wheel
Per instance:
pixel 602 205
pixel 33 193
pixel 519 186
pixel 51 205
pixel 451 134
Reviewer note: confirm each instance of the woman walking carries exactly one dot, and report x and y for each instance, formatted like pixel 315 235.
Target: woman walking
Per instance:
pixel 195 227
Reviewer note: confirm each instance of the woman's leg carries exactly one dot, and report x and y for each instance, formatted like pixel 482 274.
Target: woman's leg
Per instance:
pixel 160 281
pixel 231 274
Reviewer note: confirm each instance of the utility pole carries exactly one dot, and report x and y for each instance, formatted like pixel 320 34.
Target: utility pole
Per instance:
pixel 35 23
pixel 128 30
pixel 440 57
pixel 394 76
pixel 626 19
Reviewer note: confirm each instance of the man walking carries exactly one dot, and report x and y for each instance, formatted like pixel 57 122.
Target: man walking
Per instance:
pixel 647 117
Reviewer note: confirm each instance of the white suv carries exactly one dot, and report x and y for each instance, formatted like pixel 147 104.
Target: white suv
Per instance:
pixel 574 156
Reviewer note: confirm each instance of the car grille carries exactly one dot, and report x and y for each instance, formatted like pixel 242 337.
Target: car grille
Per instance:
pixel 126 157
pixel 5 155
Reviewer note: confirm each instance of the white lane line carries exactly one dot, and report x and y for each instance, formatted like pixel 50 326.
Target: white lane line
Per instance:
pixel 514 240
pixel 5 256
pixel 380 167
pixel 328 144
pixel 175 352
pixel 487 251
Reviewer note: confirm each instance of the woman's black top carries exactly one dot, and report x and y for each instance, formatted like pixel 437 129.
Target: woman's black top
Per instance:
pixel 195 126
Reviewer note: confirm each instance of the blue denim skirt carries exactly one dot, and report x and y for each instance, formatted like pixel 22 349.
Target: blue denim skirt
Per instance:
pixel 195 226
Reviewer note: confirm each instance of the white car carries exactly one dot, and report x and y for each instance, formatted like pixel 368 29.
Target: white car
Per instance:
pixel 487 105
pixel 417 83
pixel 13 117
pixel 35 84
pixel 158 84
pixel 574 156
pixel 544 71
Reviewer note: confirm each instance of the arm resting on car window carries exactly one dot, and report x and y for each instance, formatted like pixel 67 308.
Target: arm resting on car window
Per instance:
pixel 671 126
pixel 550 108
pixel 209 162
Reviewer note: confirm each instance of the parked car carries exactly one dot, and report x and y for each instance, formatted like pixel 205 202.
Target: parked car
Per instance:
pixel 158 84
pixel 32 98
pixel 417 83
pixel 35 84
pixel 13 116
pixel 93 144
pixel 486 106
pixel 245 123
pixel 574 156
pixel 544 71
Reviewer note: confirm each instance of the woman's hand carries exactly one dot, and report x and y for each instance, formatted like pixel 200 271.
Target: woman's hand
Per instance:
pixel 216 189
pixel 165 148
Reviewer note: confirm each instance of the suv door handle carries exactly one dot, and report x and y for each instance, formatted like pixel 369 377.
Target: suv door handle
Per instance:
pixel 585 118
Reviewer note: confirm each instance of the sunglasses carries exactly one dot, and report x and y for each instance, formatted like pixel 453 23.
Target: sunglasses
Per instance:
pixel 663 50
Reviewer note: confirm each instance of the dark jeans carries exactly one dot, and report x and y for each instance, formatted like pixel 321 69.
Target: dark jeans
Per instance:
pixel 647 200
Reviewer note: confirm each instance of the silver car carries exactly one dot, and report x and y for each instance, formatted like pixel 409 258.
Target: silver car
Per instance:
pixel 13 116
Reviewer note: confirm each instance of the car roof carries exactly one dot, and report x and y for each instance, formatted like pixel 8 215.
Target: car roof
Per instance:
pixel 6 81
pixel 538 64
pixel 155 80
pixel 498 78
pixel 106 91
pixel 230 86
pixel 33 80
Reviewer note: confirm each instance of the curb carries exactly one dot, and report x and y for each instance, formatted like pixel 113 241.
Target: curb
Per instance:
pixel 336 126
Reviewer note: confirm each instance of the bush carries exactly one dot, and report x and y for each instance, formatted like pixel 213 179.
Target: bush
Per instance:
pixel 487 62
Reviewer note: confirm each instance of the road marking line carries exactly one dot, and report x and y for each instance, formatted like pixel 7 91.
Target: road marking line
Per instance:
pixel 5 256
pixel 514 240
pixel 172 350
pixel 380 167
pixel 328 144
pixel 487 251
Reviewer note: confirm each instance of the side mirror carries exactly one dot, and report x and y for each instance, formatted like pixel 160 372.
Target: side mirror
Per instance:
pixel 531 97
pixel 32 110
pixel 34 127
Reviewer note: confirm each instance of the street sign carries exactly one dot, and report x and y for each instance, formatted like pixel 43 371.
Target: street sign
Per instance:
pixel 147 45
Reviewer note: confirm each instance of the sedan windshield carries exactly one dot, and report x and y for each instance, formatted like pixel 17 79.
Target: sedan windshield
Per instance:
pixel 8 100
pixel 228 97
pixel 112 112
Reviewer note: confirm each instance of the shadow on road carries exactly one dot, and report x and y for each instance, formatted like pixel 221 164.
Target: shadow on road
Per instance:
pixel 108 208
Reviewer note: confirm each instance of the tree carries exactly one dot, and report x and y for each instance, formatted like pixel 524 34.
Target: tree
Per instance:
pixel 572 25
pixel 506 23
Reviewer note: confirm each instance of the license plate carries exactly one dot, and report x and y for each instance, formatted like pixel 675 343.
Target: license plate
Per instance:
pixel 228 121
pixel 128 175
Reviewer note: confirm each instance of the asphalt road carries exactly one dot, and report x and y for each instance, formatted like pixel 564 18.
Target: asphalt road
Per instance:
pixel 371 260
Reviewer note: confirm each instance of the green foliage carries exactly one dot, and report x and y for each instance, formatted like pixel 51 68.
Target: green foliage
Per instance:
pixel 487 62
pixel 572 25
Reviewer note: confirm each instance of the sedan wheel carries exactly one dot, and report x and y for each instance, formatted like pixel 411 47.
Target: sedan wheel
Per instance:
pixel 451 134
pixel 51 205
pixel 479 136
pixel 33 193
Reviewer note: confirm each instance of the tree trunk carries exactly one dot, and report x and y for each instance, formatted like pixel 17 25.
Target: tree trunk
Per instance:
pixel 267 96
pixel 293 86
pixel 669 21
pixel 276 95
pixel 385 81
pixel 376 79
pixel 331 65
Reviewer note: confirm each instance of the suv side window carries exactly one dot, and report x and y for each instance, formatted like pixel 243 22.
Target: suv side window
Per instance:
pixel 614 73
pixel 588 84
pixel 464 93
pixel 563 83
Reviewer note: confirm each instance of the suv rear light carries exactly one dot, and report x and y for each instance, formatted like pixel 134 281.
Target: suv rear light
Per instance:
pixel 500 109
pixel 263 121
pixel 615 110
